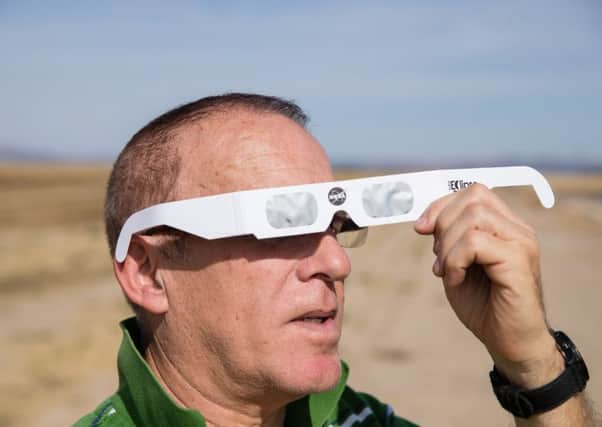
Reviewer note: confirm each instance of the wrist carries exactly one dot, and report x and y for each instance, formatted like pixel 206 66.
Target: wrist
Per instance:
pixel 536 371
pixel 528 389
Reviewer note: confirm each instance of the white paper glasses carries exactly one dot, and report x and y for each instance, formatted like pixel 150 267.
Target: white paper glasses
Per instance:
pixel 304 209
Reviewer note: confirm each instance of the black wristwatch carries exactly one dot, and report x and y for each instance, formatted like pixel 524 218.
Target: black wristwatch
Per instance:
pixel 523 402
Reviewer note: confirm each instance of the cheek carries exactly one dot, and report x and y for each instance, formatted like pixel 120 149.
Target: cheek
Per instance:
pixel 261 291
pixel 237 298
pixel 200 298
pixel 250 294
pixel 266 277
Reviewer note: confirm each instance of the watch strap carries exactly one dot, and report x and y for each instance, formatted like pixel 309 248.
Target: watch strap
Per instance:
pixel 523 402
pixel 526 402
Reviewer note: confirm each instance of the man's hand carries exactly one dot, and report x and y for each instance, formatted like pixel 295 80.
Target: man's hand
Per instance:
pixel 488 259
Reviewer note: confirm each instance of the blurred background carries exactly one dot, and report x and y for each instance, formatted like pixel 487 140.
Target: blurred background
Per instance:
pixel 390 87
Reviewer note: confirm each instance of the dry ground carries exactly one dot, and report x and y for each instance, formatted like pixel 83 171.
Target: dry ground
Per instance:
pixel 59 305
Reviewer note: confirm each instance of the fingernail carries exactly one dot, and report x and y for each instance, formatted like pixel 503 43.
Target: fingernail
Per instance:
pixel 421 221
pixel 436 267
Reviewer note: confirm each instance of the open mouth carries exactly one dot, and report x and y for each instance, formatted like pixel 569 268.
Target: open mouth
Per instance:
pixel 320 327
pixel 317 317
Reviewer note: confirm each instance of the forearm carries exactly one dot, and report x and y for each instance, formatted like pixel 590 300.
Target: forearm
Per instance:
pixel 488 260
pixel 577 412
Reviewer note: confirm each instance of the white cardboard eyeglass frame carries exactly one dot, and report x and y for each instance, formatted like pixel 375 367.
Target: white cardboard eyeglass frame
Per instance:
pixel 244 212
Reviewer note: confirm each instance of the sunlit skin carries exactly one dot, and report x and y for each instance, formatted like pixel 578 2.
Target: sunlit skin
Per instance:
pixel 225 324
pixel 488 260
pixel 228 335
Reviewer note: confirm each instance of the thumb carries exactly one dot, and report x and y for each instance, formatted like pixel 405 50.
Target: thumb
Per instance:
pixel 423 225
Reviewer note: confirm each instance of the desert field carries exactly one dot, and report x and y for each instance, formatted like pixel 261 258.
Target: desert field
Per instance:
pixel 59 304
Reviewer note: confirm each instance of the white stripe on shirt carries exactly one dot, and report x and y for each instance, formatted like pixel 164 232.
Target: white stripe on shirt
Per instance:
pixel 357 417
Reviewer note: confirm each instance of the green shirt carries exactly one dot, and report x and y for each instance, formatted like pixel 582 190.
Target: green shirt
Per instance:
pixel 141 400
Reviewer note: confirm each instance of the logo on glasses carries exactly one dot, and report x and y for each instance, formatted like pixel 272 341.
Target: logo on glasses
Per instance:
pixel 459 184
pixel 337 196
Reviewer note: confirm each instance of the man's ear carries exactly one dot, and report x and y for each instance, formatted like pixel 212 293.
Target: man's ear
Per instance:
pixel 137 276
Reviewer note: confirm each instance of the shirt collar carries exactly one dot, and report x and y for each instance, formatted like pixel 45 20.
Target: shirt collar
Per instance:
pixel 149 404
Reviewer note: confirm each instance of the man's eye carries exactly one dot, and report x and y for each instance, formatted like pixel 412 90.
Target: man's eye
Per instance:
pixel 288 242
pixel 274 241
pixel 281 242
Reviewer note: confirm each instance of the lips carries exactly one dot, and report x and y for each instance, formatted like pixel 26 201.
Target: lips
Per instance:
pixel 317 316
pixel 319 327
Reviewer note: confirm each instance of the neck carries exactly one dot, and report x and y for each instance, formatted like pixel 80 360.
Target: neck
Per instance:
pixel 218 405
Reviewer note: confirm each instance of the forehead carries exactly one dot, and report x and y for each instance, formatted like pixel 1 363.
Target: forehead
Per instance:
pixel 242 150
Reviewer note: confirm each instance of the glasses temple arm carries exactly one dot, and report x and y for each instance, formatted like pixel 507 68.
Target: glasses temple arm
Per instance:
pixel 208 217
pixel 139 221
pixel 494 177
pixel 520 176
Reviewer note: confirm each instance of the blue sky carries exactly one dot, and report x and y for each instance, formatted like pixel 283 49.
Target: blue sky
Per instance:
pixel 394 82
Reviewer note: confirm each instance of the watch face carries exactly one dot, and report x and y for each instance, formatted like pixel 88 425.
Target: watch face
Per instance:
pixel 572 357
pixel 524 403
pixel 567 348
pixel 582 368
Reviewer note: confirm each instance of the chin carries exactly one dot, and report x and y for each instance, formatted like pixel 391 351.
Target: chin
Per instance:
pixel 313 374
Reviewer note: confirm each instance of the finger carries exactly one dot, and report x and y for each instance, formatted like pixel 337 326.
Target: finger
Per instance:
pixel 475 194
pixel 425 223
pixel 478 247
pixel 479 217
pixel 453 204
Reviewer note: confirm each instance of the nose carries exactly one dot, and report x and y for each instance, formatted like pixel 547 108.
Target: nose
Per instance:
pixel 328 260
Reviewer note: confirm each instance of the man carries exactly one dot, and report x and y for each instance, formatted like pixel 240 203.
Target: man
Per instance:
pixel 243 331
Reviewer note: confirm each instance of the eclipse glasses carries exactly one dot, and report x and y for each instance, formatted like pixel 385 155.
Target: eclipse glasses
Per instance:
pixel 303 209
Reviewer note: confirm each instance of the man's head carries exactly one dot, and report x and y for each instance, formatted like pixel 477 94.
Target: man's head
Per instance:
pixel 255 316
pixel 147 169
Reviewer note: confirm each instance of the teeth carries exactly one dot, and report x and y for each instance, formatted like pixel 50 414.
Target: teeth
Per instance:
pixel 314 319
